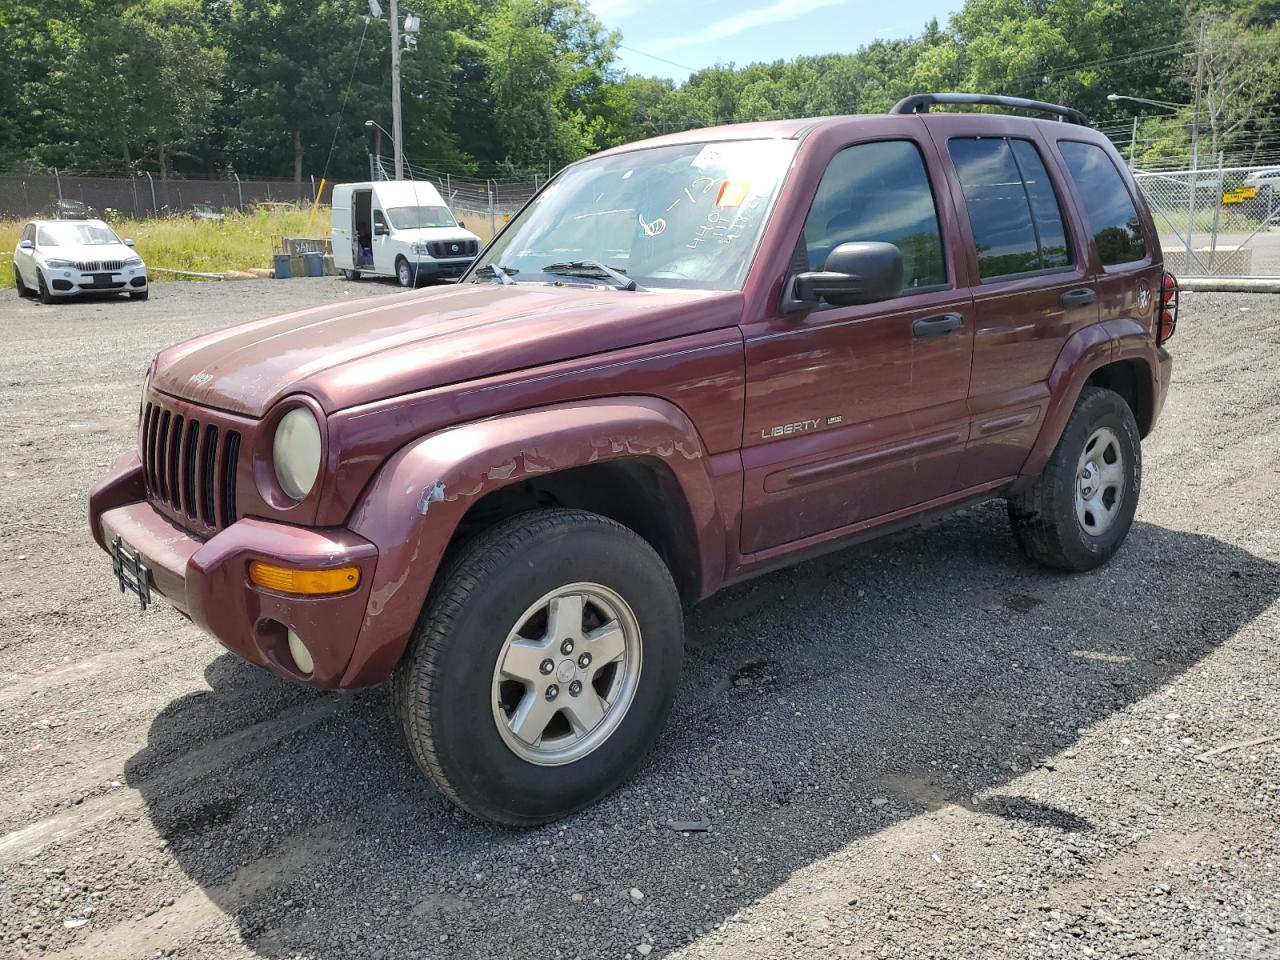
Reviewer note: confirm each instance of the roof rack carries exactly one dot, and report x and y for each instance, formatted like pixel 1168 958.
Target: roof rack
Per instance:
pixel 920 103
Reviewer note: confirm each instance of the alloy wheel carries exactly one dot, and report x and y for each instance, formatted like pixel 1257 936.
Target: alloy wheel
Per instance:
pixel 566 674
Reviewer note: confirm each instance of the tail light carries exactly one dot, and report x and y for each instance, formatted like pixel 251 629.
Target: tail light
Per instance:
pixel 1168 308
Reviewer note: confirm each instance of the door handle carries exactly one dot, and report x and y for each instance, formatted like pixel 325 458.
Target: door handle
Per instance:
pixel 1078 298
pixel 937 326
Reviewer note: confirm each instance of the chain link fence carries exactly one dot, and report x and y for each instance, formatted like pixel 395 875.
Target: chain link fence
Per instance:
pixel 52 193
pixel 1220 222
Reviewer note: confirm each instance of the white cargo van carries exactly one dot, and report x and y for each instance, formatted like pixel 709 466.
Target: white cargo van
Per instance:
pixel 398 228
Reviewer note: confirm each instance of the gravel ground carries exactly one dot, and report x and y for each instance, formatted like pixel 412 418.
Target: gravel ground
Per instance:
pixel 919 747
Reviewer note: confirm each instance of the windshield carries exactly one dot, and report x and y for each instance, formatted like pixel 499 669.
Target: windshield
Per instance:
pixel 415 218
pixel 72 234
pixel 687 215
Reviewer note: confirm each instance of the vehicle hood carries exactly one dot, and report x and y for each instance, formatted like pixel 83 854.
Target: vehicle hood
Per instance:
pixel 352 353
pixel 88 251
pixel 423 234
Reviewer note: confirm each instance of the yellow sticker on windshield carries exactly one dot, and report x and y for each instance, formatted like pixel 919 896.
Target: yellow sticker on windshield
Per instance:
pixel 733 193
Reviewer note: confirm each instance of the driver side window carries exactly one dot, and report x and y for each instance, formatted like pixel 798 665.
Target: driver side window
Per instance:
pixel 879 191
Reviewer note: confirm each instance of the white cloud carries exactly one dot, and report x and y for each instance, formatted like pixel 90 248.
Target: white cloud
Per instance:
pixel 610 8
pixel 776 12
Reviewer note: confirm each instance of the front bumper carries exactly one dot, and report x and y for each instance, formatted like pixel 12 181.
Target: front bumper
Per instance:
pixel 69 282
pixel 454 267
pixel 208 580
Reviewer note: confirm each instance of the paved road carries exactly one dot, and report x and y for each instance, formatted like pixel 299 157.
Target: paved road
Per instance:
pixel 919 747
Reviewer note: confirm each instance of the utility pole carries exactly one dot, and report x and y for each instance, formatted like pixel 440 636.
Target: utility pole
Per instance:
pixel 1195 147
pixel 397 131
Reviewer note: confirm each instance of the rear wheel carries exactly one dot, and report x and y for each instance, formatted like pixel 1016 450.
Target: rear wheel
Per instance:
pixel 350 274
pixel 543 668
pixel 1080 509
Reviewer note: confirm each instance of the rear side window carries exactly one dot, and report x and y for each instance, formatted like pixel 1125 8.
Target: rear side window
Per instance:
pixel 879 191
pixel 1108 209
pixel 1013 210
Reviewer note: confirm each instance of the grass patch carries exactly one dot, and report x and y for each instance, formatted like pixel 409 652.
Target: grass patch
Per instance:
pixel 240 242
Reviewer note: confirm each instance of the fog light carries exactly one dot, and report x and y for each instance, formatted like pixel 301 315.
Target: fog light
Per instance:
pixel 287 580
pixel 301 655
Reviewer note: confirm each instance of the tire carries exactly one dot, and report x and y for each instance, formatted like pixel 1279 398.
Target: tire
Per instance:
pixel 140 294
pixel 451 695
pixel 45 295
pixel 350 274
pixel 1080 509
pixel 406 275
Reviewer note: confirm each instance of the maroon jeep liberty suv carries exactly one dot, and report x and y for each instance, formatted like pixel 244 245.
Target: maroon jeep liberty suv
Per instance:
pixel 685 362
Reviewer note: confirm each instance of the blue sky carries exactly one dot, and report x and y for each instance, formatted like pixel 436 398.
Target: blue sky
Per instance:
pixel 702 33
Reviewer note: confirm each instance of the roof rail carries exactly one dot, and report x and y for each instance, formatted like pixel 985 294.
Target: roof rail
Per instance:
pixel 920 103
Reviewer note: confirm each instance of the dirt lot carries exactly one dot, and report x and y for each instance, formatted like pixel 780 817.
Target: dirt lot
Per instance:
pixel 920 747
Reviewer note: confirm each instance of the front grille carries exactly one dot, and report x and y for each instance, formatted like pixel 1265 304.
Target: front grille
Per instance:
pixel 99 266
pixel 443 249
pixel 190 466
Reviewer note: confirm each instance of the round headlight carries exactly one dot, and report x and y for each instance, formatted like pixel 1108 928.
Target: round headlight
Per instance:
pixel 296 451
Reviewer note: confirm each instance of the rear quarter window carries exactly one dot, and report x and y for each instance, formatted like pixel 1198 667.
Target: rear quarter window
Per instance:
pixel 1109 211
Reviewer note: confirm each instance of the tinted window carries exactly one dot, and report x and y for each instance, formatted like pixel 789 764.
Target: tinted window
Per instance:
pixel 1017 223
pixel 1108 208
pixel 1046 212
pixel 878 191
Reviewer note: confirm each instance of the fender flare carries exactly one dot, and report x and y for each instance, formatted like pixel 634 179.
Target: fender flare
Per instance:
pixel 416 501
pixel 1086 351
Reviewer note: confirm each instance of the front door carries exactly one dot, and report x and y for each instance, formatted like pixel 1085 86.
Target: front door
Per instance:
pixel 384 258
pixel 854 412
pixel 24 260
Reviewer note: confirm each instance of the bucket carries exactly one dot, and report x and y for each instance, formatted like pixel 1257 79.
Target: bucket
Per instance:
pixel 313 264
pixel 281 263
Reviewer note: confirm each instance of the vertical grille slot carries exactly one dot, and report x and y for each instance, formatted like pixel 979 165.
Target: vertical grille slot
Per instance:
pixel 159 454
pixel 190 445
pixel 207 460
pixel 230 464
pixel 172 452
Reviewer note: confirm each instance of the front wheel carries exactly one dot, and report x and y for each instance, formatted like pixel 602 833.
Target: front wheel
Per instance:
pixel 45 295
pixel 544 667
pixel 23 289
pixel 406 275
pixel 140 294
pixel 1080 509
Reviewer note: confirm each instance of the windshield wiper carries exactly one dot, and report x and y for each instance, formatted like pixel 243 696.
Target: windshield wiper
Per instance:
pixel 592 268
pixel 502 273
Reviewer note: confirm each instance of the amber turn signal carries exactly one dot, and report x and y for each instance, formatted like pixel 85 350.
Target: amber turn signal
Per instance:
pixel 310 582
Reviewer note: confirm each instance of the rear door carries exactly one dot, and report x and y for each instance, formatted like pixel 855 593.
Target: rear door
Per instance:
pixel 1119 228
pixel 854 412
pixel 1034 286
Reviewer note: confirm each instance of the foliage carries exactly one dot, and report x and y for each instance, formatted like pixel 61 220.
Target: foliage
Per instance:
pixel 507 87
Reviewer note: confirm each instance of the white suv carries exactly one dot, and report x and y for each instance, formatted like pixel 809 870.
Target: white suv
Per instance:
pixel 61 258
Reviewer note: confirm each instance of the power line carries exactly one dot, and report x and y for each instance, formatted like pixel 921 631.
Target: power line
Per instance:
pixel 654 56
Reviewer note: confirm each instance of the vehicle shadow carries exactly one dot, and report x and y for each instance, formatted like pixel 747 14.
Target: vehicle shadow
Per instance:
pixel 819 705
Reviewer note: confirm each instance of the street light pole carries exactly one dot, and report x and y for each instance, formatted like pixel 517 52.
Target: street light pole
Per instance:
pixel 397 130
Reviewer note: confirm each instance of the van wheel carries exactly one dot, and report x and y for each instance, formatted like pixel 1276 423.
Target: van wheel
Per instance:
pixel 1080 509
pixel 405 274
pixel 45 295
pixel 350 274
pixel 543 668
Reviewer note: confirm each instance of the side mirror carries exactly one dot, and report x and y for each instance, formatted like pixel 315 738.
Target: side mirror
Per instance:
pixel 462 224
pixel 26 245
pixel 128 242
pixel 861 272
pixel 380 230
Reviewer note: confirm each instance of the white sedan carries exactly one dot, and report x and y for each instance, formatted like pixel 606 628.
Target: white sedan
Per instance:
pixel 61 258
